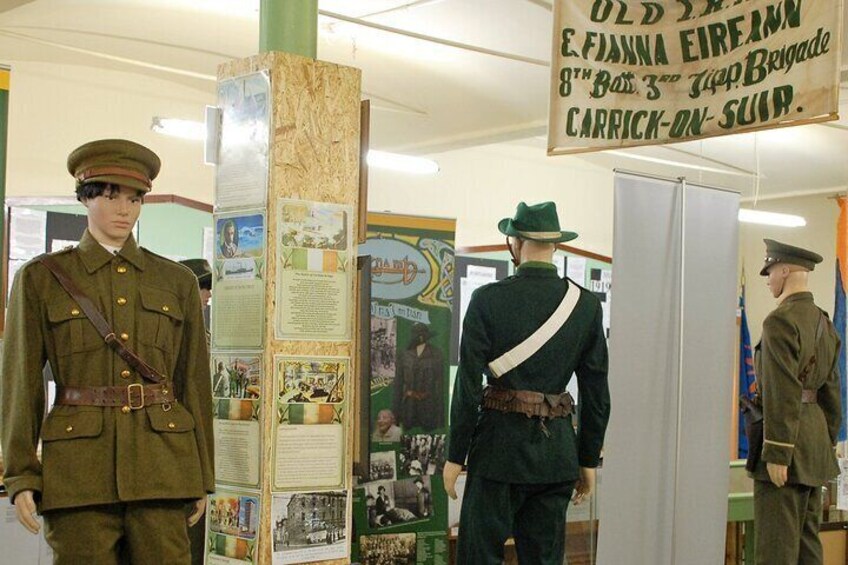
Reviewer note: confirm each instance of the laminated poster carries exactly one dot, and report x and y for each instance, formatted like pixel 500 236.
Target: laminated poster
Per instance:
pixel 231 523
pixel 309 526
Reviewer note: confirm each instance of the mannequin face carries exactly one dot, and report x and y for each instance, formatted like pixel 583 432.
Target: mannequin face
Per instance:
pixel 112 216
pixel 777 275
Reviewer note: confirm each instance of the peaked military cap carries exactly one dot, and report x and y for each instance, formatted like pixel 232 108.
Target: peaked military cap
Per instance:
pixel 116 161
pixel 539 222
pixel 777 252
pixel 201 270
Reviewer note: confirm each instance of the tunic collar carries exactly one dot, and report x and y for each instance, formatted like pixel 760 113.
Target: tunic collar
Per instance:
pixel 798 297
pixel 537 269
pixel 94 255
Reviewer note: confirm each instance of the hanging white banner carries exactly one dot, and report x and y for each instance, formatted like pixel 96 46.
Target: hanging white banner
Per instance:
pixel 626 74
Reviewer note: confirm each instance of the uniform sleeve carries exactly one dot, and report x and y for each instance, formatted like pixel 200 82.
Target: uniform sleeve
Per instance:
pixel 196 393
pixel 22 388
pixel 829 397
pixel 594 397
pixel 468 388
pixel 781 389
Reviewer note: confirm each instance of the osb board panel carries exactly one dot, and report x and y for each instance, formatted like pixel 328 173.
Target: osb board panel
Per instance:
pixel 315 138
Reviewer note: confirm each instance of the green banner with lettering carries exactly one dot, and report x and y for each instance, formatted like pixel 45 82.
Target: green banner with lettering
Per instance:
pixel 626 74
pixel 401 513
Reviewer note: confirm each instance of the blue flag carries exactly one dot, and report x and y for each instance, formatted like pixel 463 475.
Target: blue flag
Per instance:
pixel 747 378
pixel 839 324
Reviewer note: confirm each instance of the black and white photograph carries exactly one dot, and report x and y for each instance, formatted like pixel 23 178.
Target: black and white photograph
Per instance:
pixel 421 454
pixel 389 503
pixel 387 549
pixel 383 351
pixel 309 526
pixel 383 466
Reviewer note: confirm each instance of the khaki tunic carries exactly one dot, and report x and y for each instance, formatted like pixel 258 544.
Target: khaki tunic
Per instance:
pixel 95 455
pixel 800 436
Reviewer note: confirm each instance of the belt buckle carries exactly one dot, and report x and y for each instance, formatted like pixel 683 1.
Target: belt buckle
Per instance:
pixel 140 396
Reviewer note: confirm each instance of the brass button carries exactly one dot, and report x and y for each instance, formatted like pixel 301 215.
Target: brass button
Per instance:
pixel 121 301
pixel 125 409
pixel 171 425
pixel 125 336
pixel 69 429
pixel 165 308
pixel 122 269
pixel 126 373
pixel 74 312
pixel 165 391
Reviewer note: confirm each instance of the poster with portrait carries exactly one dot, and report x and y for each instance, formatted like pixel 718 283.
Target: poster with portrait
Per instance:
pixel 232 519
pixel 314 271
pixel 241 175
pixel 238 306
pixel 310 398
pixel 309 526
pixel 237 379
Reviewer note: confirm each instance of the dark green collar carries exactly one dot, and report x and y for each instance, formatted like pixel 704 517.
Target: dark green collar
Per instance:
pixel 537 269
pixel 94 255
pixel 798 297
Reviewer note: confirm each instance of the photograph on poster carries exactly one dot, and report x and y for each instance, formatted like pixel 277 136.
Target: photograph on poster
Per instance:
pixel 383 466
pixel 241 175
pixel 236 376
pixel 390 503
pixel 312 225
pixel 231 525
pixel 312 381
pixel 383 351
pixel 418 385
pixel 239 237
pixel 385 428
pixel 387 549
pixel 422 454
pixel 310 526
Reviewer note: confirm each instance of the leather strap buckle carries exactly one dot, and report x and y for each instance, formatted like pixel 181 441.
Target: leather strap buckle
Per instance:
pixel 109 338
pixel 140 396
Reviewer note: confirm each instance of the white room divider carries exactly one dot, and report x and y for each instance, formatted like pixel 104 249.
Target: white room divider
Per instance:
pixel 673 330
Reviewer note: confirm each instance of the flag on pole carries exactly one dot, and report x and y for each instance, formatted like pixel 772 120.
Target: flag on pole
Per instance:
pixel 839 308
pixel 747 378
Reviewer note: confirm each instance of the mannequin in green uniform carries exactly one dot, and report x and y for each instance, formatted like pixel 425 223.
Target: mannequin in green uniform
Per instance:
pixel 799 384
pixel 120 456
pixel 523 470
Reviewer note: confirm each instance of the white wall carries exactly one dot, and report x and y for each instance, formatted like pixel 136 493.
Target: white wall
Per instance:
pixel 55 108
pixel 479 186
pixel 818 235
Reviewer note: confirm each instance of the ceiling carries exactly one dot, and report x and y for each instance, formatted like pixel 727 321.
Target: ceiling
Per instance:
pixel 481 79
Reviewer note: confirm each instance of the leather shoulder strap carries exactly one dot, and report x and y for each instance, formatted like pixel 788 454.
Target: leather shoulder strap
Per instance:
pixel 99 322
pixel 526 349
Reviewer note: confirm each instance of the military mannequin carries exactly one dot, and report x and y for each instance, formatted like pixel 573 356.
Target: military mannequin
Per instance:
pixel 799 385
pixel 120 456
pixel 524 460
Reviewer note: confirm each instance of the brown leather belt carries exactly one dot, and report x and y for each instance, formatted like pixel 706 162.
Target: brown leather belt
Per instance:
pixel 528 402
pixel 132 397
pixel 809 396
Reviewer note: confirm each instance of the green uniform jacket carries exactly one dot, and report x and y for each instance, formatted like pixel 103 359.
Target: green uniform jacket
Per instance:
pixel 798 435
pixel 95 455
pixel 511 447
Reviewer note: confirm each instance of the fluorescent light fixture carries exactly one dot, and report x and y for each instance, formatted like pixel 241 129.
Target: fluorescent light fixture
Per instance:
pixel 675 163
pixel 771 218
pixel 402 163
pixel 186 129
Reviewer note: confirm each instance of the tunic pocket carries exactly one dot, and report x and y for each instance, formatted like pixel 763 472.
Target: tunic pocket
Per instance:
pixel 72 422
pixel 72 331
pixel 161 318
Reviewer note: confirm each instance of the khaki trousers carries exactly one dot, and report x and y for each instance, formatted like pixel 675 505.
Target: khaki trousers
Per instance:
pixel 140 533
pixel 786 524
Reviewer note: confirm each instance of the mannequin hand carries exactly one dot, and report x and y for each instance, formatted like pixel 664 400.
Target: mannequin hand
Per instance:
pixel 450 475
pixel 585 485
pixel 778 474
pixel 199 507
pixel 25 510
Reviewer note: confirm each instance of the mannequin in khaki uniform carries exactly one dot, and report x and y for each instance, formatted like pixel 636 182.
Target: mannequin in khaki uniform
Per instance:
pixel 799 383
pixel 118 462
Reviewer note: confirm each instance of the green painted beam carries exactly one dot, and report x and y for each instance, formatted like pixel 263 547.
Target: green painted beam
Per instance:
pixel 290 26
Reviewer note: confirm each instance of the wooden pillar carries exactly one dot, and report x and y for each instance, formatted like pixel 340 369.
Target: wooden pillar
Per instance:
pixel 313 156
